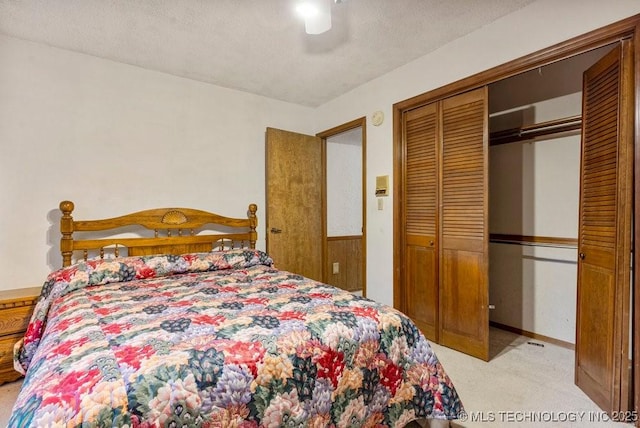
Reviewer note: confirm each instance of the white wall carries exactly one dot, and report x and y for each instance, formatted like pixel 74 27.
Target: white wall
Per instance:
pixel 534 289
pixel 114 138
pixel 534 27
pixel 534 190
pixel 55 103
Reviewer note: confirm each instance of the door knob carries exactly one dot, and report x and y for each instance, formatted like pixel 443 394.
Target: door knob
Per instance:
pixel 431 243
pixel 276 230
pixel 582 256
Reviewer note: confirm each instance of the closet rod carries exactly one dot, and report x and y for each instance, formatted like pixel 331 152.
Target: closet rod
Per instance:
pixel 538 241
pixel 528 132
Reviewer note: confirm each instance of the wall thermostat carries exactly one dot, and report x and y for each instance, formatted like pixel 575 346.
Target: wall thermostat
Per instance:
pixel 382 185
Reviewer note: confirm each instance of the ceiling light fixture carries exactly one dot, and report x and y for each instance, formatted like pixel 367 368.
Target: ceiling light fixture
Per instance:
pixel 316 15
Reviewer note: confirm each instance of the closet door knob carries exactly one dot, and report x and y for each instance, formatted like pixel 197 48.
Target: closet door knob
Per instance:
pixel 431 243
pixel 582 256
pixel 276 230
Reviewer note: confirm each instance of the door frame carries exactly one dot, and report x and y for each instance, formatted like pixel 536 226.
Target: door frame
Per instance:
pixel 628 28
pixel 324 135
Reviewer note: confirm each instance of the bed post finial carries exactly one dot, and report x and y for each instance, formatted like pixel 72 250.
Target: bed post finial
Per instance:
pixel 253 224
pixel 66 228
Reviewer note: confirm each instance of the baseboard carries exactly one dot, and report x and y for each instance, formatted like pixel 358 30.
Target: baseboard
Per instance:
pixel 558 342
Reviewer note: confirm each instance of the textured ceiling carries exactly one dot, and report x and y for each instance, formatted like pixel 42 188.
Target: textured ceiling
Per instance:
pixel 257 46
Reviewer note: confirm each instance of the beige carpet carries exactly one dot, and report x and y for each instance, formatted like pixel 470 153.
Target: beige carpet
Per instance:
pixel 8 394
pixel 521 383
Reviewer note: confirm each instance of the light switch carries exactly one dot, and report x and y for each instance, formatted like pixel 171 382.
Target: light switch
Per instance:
pixel 380 204
pixel 336 268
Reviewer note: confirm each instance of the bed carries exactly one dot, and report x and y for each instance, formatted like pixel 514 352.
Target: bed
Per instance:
pixel 197 328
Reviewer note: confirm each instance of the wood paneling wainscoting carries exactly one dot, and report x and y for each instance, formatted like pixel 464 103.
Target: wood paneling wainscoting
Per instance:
pixel 347 252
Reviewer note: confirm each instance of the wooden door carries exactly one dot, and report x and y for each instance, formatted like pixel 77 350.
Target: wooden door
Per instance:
pixel 294 212
pixel 420 178
pixel 464 237
pixel 604 237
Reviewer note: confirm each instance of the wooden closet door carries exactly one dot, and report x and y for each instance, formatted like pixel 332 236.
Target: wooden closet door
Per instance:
pixel 602 329
pixel 420 207
pixel 464 292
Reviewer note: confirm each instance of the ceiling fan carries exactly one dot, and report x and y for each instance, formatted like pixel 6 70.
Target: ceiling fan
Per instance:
pixel 316 15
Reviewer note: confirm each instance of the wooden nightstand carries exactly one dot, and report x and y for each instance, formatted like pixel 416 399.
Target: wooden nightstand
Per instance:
pixel 16 307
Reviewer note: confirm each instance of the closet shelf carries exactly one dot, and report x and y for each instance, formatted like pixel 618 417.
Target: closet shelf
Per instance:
pixel 529 132
pixel 538 241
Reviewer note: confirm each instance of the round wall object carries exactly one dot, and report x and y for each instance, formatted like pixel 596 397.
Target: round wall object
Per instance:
pixel 377 118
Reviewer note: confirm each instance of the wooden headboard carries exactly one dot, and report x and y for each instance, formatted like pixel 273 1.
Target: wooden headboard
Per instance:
pixel 174 232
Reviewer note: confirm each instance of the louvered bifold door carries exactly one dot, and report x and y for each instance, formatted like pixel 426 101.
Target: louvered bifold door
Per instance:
pixel 420 208
pixel 464 293
pixel 602 329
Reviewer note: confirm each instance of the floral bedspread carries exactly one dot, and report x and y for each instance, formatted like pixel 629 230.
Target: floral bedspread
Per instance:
pixel 220 339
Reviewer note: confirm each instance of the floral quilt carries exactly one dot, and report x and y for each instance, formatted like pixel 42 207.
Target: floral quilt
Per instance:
pixel 220 339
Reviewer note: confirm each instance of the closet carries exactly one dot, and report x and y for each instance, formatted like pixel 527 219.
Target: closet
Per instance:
pixel 535 122
pixel 536 210
pixel 442 216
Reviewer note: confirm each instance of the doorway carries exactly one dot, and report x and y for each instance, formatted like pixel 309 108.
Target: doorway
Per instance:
pixel 534 199
pixel 315 204
pixel 345 255
pixel 559 179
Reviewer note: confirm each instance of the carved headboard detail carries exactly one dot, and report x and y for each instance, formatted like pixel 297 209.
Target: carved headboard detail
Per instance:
pixel 168 225
pixel 174 217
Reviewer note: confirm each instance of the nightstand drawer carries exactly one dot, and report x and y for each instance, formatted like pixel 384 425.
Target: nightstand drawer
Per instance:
pixel 7 372
pixel 16 307
pixel 15 320
pixel 6 348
